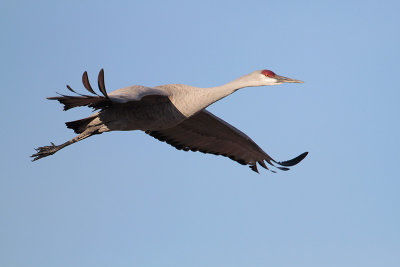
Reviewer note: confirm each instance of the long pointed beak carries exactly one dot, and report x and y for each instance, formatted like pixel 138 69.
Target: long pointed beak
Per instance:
pixel 286 79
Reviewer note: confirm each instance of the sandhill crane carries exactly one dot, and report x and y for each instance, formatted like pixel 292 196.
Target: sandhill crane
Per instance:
pixel 172 113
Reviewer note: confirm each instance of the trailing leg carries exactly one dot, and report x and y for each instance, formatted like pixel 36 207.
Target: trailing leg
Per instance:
pixel 45 151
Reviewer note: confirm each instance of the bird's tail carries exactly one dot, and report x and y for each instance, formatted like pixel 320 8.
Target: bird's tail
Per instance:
pixel 79 126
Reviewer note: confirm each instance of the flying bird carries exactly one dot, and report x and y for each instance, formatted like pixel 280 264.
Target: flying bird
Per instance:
pixel 172 113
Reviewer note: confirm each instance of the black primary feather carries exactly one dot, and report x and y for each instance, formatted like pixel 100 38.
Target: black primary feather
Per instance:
pixel 101 83
pixel 86 83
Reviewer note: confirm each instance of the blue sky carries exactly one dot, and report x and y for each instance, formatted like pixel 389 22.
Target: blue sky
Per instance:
pixel 125 199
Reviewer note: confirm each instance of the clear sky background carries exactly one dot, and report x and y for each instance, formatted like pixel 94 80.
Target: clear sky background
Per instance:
pixel 125 199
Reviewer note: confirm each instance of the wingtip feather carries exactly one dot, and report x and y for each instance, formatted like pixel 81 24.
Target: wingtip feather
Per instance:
pixel 86 83
pixel 254 168
pixel 101 83
pixel 293 161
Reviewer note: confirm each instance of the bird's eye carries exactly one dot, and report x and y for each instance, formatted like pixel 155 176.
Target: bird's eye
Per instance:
pixel 268 73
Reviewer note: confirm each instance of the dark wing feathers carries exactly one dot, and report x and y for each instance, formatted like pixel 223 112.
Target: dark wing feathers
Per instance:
pixel 79 101
pixel 294 161
pixel 94 101
pixel 73 91
pixel 86 83
pixel 104 100
pixel 101 83
pixel 207 133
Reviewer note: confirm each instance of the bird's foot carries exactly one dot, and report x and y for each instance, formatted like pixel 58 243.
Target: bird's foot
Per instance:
pixel 45 151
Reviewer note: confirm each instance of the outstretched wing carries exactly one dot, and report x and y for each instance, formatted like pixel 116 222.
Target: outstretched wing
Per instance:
pixel 96 101
pixel 207 133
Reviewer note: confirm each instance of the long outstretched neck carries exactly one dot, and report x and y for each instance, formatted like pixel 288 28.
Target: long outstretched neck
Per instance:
pixel 195 99
pixel 212 94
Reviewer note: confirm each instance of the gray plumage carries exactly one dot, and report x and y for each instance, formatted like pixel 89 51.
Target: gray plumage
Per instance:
pixel 173 113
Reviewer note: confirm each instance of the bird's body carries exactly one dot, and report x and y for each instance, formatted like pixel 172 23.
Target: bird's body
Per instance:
pixel 152 112
pixel 174 113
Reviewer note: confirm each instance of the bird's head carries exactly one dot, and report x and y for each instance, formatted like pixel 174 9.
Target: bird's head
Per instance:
pixel 267 77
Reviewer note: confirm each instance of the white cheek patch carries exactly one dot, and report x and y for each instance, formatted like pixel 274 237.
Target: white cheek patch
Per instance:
pixel 272 80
